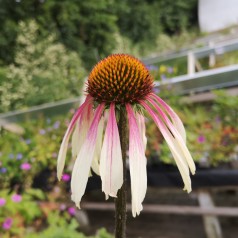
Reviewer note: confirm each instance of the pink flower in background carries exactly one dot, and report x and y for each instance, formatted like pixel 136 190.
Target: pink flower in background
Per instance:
pixel 66 177
pixel 170 70
pixel 19 156
pixel 2 202
pixel 120 82
pixel 71 211
pixel 42 131
pixel 7 223
pixel 201 139
pixel 28 141
pixel 54 155
pixel 25 166
pixel 16 198
pixel 62 207
pixel 56 125
pixel 3 170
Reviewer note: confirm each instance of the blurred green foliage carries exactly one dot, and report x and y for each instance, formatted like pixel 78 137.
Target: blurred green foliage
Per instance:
pixel 88 27
pixel 21 211
pixel 144 20
pixel 38 146
pixel 43 71
pixel 139 20
pixel 83 26
pixel 46 47
pixel 26 218
pixel 177 16
pixel 58 227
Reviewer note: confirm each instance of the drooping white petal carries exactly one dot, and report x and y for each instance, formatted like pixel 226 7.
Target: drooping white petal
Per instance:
pixel 141 124
pixel 178 137
pixel 174 117
pixel 81 130
pixel 84 159
pixel 137 162
pixel 75 140
pixel 173 145
pixel 186 176
pixel 96 157
pixel 65 141
pixel 111 166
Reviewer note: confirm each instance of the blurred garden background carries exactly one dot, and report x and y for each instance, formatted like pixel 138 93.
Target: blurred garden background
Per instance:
pixel 47 49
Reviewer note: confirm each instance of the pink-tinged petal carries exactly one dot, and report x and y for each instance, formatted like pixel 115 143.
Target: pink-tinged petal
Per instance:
pixel 173 145
pixel 111 167
pixel 97 153
pixel 65 141
pixel 174 117
pixel 81 129
pixel 137 162
pixel 179 140
pixel 84 159
pixel 141 124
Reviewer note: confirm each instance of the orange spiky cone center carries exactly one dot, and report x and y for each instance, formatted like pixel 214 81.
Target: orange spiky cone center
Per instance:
pixel 119 78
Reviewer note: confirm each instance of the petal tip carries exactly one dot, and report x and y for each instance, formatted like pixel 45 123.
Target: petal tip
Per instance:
pixel 188 190
pixel 59 175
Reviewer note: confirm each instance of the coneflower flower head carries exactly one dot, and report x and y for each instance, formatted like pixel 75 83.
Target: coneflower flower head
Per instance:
pixel 120 82
pixel 119 79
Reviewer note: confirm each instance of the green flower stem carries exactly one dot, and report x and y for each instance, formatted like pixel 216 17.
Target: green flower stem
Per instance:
pixel 120 201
